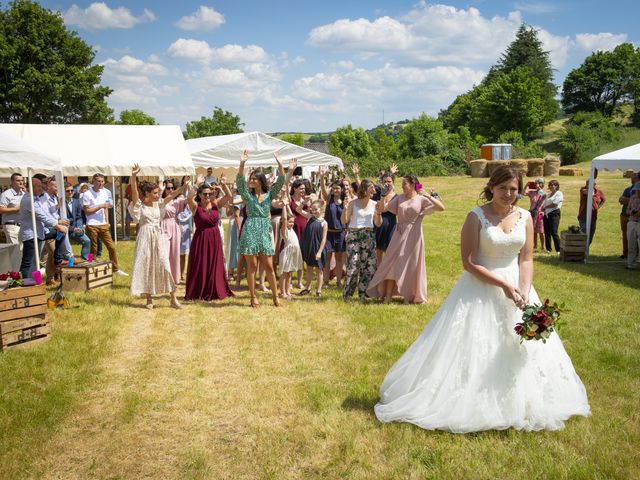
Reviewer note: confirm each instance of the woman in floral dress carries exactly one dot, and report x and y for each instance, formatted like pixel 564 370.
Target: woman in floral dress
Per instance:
pixel 151 273
pixel 256 239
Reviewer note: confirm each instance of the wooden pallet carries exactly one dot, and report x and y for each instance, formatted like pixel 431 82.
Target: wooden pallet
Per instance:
pixel 572 246
pixel 87 276
pixel 24 319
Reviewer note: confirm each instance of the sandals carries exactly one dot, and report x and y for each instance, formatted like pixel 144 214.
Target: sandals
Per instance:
pixel 254 302
pixel 304 292
pixel 318 294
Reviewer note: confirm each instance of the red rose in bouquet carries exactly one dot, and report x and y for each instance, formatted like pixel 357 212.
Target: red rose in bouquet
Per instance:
pixel 14 279
pixel 538 321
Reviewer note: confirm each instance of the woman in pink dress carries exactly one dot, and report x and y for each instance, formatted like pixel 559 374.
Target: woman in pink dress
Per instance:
pixel 402 270
pixel 537 196
pixel 171 227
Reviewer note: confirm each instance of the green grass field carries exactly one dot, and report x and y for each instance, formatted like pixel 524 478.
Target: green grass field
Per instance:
pixel 220 391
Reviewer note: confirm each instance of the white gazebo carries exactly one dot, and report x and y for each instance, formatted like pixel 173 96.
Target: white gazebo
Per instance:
pixel 223 151
pixel 160 150
pixel 623 159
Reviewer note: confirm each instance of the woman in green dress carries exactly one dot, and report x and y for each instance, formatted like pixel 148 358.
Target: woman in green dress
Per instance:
pixel 256 239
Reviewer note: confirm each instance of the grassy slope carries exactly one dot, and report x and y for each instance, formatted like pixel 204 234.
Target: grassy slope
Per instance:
pixel 218 391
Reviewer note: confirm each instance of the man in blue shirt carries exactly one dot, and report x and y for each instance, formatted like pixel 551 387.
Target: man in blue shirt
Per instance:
pixel 76 225
pixel 43 220
pixel 624 217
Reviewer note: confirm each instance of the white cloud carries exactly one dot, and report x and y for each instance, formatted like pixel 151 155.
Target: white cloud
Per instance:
pixel 203 20
pixel 298 60
pixel 99 15
pixel 590 42
pixel 201 52
pixel 557 47
pixel 383 34
pixel 129 65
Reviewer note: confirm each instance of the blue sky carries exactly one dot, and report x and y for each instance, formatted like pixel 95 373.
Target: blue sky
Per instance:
pixel 314 66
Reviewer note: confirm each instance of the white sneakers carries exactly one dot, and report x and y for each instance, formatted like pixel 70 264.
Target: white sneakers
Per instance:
pixel 122 273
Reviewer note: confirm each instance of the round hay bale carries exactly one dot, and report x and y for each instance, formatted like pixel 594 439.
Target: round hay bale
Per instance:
pixel 519 164
pixel 551 166
pixel 479 168
pixel 535 167
pixel 571 172
pixel 493 165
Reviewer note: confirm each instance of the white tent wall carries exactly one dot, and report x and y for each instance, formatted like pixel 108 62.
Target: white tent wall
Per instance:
pixel 223 151
pixel 624 159
pixel 160 150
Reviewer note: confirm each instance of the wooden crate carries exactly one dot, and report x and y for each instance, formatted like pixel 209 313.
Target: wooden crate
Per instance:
pixel 23 317
pixel 572 246
pixel 86 276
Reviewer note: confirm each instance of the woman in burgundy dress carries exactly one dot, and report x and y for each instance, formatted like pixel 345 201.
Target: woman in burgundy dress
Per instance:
pixel 299 195
pixel 206 279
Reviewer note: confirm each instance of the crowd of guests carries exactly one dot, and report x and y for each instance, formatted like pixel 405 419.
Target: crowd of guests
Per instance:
pixel 81 215
pixel 357 232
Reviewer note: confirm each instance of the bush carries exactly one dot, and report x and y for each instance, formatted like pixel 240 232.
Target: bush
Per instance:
pixel 582 135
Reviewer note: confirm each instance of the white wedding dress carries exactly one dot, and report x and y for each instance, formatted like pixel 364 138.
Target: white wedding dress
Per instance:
pixel 468 372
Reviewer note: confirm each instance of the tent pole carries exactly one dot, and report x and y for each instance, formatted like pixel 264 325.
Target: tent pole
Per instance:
pixel 33 222
pixel 589 210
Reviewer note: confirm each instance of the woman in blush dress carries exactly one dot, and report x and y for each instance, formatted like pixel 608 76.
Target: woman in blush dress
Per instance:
pixel 170 225
pixel 468 371
pixel 206 277
pixel 298 194
pixel 151 273
pixel 402 270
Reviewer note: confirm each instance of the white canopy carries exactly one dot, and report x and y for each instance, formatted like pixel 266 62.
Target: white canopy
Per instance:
pixel 110 149
pixel 223 151
pixel 18 156
pixel 623 159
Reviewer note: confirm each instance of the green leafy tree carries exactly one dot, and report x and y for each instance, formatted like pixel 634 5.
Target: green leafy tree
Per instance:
pixel 295 138
pixel 423 136
pixel 384 147
pixel 222 122
pixel 47 72
pixel 583 134
pixel 603 82
pixel 353 145
pixel 458 114
pixel 135 117
pixel 512 102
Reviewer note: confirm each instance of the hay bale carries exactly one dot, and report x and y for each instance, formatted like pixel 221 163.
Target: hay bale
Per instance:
pixel 551 166
pixel 571 172
pixel 479 168
pixel 493 165
pixel 535 167
pixel 519 164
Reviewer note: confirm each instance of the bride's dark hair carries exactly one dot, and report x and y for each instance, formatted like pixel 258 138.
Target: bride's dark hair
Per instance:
pixel 501 175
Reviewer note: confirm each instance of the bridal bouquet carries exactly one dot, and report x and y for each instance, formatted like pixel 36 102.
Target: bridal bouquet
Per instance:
pixel 538 321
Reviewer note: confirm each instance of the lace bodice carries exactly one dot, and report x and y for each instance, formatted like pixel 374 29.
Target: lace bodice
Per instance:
pixel 498 248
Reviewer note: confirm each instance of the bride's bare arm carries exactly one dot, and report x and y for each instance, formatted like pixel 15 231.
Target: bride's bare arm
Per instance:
pixel 526 264
pixel 469 242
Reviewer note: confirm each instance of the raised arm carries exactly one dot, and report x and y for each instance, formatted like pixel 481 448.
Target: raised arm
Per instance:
pixel 135 196
pixel 178 191
pixel 243 159
pixel 228 196
pixel 323 186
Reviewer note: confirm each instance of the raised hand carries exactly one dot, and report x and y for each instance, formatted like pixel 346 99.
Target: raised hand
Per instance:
pixel 355 168
pixel 393 168
pixel 245 156
pixel 200 179
pixel 278 158
pixel 135 170
pixel 293 164
pixel 223 178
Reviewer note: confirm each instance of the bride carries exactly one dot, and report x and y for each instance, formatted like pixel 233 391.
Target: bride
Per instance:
pixel 467 371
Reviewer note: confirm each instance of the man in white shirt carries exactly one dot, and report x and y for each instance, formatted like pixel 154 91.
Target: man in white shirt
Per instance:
pixel 210 178
pixel 95 202
pixel 10 209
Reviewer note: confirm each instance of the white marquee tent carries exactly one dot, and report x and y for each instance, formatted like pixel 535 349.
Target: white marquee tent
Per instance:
pixel 223 151
pixel 18 156
pixel 160 150
pixel 623 159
